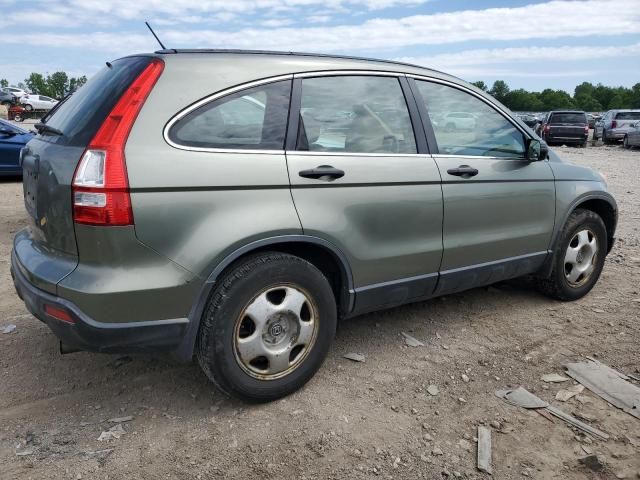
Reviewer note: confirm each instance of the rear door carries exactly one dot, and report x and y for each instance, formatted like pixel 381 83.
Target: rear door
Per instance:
pixel 361 181
pixel 498 208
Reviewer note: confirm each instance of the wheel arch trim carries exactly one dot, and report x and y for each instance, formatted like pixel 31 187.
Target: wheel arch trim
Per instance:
pixel 545 271
pixel 187 345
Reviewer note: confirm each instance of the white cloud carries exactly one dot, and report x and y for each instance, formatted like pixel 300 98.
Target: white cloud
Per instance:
pixel 78 13
pixel 483 61
pixel 555 19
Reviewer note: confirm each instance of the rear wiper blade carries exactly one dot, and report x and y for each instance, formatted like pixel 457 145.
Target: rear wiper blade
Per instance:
pixel 44 128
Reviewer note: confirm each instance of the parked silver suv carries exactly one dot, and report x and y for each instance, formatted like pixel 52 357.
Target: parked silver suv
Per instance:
pixel 615 124
pixel 234 206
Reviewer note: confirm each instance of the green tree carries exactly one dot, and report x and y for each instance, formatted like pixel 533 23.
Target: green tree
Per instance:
pixel 556 99
pixel 616 102
pixel 585 88
pixel 56 85
pixel 499 90
pixel 4 83
pixel 587 103
pixel 36 83
pixel 481 85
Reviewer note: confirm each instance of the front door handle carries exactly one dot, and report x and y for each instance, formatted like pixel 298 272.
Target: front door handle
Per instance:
pixel 463 171
pixel 322 171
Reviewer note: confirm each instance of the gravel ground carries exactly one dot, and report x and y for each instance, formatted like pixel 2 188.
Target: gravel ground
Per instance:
pixel 353 420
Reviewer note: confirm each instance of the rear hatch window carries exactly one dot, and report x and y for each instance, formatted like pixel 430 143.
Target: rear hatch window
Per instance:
pixel 628 116
pixel 569 118
pixel 80 115
pixel 50 160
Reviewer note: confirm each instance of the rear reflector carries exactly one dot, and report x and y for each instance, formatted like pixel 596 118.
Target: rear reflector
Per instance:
pixel 58 314
pixel 100 183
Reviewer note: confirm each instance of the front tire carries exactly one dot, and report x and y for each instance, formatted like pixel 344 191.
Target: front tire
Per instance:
pixel 267 327
pixel 28 107
pixel 578 258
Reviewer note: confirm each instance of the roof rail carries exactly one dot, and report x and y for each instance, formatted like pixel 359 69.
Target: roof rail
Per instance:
pixel 298 54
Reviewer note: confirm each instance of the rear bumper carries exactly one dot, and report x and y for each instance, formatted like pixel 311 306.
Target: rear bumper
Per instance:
pixel 87 334
pixel 567 138
pixel 617 133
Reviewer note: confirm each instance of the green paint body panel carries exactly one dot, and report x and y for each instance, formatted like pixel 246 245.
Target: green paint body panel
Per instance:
pixel 398 220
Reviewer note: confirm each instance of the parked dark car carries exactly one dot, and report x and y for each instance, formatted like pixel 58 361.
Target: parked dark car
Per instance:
pixel 568 127
pixel 6 98
pixel 12 139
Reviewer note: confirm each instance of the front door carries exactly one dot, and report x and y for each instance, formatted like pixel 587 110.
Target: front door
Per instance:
pixel 359 181
pixel 499 208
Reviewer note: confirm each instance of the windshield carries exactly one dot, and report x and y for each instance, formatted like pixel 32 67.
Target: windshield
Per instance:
pixel 568 118
pixel 81 114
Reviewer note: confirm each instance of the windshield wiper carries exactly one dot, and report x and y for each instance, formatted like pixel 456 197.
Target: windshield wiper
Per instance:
pixel 43 128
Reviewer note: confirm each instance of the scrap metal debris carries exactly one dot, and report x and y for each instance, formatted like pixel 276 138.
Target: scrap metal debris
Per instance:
pixel 608 383
pixel 522 398
pixel 128 418
pixel 410 341
pixel 356 357
pixel 484 449
pixel 9 328
pixel 566 394
pixel 114 433
pixel 554 378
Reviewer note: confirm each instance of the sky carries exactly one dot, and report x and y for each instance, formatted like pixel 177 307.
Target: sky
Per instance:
pixel 528 43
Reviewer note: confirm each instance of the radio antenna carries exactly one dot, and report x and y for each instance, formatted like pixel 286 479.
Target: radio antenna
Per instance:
pixel 154 34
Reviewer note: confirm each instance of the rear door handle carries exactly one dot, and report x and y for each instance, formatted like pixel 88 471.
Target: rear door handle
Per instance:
pixel 322 171
pixel 463 171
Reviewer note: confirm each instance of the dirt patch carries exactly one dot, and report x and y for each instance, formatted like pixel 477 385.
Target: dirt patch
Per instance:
pixel 353 420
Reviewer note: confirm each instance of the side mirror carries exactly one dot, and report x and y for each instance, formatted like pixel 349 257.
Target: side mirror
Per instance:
pixel 536 150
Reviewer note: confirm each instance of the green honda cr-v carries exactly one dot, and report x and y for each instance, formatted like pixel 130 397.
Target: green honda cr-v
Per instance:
pixel 234 206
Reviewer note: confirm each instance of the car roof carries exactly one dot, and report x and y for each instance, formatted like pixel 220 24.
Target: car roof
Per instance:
pixel 567 111
pixel 15 127
pixel 275 53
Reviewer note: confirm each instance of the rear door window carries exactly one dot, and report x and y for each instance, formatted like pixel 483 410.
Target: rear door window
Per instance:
pixel 354 114
pixel 253 119
pixel 80 116
pixel 571 118
pixel 482 132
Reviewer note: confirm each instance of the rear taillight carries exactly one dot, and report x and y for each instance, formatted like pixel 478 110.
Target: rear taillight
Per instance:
pixel 547 128
pixel 614 124
pixel 100 183
pixel 586 129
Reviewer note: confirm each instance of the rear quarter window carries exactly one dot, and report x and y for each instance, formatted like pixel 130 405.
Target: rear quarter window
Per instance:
pixel 80 115
pixel 251 119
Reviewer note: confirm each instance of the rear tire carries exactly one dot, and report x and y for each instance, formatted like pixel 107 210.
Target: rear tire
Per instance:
pixel 625 143
pixel 267 327
pixel 582 246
